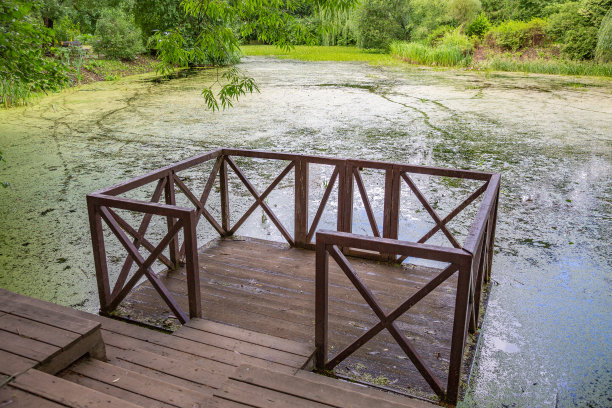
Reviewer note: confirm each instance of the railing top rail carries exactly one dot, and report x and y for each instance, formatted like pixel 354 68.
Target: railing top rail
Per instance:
pixel 159 173
pixel 484 211
pixel 387 245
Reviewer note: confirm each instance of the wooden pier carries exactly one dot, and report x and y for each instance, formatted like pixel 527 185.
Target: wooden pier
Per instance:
pixel 53 356
pixel 350 296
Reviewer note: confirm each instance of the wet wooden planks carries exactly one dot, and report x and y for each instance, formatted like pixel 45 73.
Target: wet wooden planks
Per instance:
pixel 269 288
pixel 32 335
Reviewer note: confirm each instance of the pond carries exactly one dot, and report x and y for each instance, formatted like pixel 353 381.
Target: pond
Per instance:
pixel 546 338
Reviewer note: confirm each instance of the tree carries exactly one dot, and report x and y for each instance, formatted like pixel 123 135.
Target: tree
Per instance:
pixel 216 43
pixel 380 22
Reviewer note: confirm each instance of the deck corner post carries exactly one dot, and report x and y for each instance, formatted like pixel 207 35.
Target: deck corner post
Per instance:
pixel 301 203
pixel 224 192
pixel 321 305
pixel 192 267
pixel 391 207
pixel 173 245
pixel 460 328
pixel 99 253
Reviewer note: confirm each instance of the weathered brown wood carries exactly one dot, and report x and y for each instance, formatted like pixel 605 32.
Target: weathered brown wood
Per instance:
pixel 326 194
pixel 224 194
pixel 459 333
pixel 301 203
pixel 11 397
pixel 156 390
pixel 99 252
pixel 257 397
pixel 321 305
pixel 65 392
pixel 262 203
pixel 198 204
pixel 139 239
pixel 366 202
pixel 37 331
pixel 192 266
pixel 259 199
pixel 430 210
pixel 90 343
pixel 13 364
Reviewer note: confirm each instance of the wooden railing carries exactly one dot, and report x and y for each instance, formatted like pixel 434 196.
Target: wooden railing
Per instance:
pixel 472 259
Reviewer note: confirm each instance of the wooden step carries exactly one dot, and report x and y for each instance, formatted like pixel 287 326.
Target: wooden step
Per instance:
pixel 132 386
pixel 263 388
pixel 63 392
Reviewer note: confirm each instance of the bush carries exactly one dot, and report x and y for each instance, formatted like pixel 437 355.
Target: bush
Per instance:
pixel 580 43
pixel 513 35
pixel 603 51
pixel 436 36
pixel 479 26
pixel 463 11
pixel 67 30
pixel 453 49
pixel 380 22
pixel 426 16
pixel 117 36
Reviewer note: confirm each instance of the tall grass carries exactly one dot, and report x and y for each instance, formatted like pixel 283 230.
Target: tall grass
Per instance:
pixel 447 55
pixel 14 93
pixel 540 66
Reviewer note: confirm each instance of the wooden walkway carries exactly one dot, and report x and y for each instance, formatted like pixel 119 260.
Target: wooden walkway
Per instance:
pixel 268 288
pixel 53 356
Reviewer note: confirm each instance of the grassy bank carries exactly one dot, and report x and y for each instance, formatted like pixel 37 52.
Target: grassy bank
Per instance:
pixel 445 55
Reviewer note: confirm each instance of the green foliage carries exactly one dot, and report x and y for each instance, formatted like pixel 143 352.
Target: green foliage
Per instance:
pixel 513 35
pixel 556 67
pixel 603 51
pixel 594 10
pixel 24 67
pixel 66 29
pixel 268 21
pixel 337 27
pixel 425 16
pixel 380 22
pixel 528 9
pixel 436 36
pixel 453 49
pixel 463 11
pixel 117 36
pixel 580 43
pixel 479 26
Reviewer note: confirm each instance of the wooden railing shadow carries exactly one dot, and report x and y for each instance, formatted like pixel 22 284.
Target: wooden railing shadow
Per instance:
pixel 472 260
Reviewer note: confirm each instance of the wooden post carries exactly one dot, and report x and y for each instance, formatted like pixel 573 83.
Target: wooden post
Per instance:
pixel 301 203
pixel 99 253
pixel 391 207
pixel 321 305
pixel 192 266
pixel 345 197
pixel 225 214
pixel 173 246
pixel 459 332
pixel 492 239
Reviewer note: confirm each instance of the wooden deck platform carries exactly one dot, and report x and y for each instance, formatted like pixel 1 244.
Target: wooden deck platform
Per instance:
pixel 268 288
pixel 205 364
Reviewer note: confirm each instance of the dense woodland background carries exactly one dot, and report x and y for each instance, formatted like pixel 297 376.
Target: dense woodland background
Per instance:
pixel 556 36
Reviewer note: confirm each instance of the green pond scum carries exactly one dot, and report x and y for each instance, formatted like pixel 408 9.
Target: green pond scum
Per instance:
pixel 546 337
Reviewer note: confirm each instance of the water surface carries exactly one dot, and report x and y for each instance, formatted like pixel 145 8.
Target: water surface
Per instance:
pixel 546 339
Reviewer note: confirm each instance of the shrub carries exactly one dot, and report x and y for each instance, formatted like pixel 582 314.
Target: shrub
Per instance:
pixel 603 51
pixel 513 35
pixel 479 26
pixel 118 37
pixel 436 36
pixel 453 49
pixel 463 11
pixel 380 22
pixel 426 16
pixel 66 29
pixel 580 43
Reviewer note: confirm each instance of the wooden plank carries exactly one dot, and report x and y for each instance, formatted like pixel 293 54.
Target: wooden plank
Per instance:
pixel 116 392
pixel 334 392
pixel 232 332
pixel 258 397
pixel 152 373
pixel 11 397
pixel 249 349
pixel 187 370
pixel 139 384
pixel 24 347
pixel 64 392
pixel 90 343
pixel 13 364
pixel 39 311
pixel 37 331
